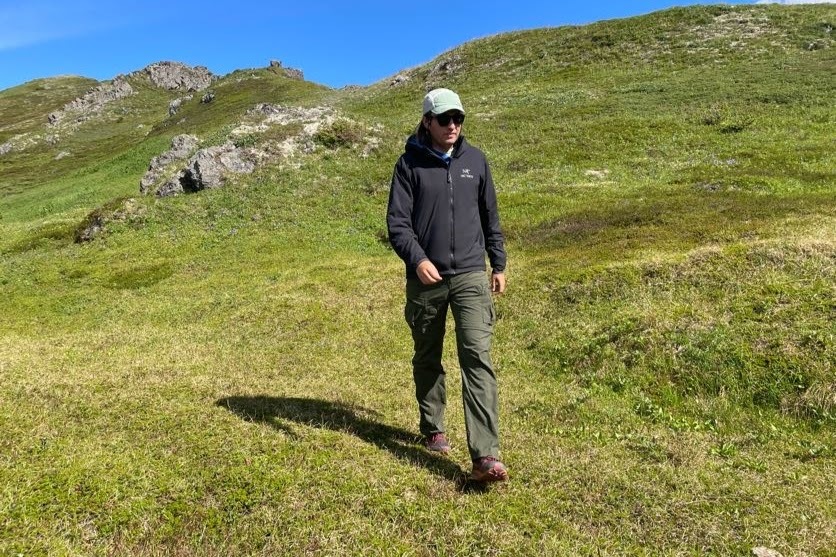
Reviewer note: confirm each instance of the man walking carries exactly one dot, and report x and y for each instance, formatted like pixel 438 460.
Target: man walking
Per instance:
pixel 442 218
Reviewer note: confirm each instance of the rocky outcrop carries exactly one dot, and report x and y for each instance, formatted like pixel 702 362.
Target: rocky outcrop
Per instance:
pixel 205 169
pixel 292 73
pixel 19 142
pixel 448 66
pixel 265 116
pixel 92 102
pixel 398 79
pixel 281 114
pixel 179 76
pixel 248 146
pixel 182 146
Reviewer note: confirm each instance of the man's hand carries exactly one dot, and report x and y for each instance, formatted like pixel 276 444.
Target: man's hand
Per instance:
pixel 427 273
pixel 498 283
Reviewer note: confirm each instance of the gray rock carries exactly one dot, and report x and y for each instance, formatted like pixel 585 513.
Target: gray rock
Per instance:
pixel 175 105
pixel 294 73
pixel 209 167
pixel 6 147
pixel 182 146
pixel 172 186
pixel 446 67
pixel 147 181
pixel 176 75
pixel 398 79
pixel 93 229
pixel 207 98
pixel 61 155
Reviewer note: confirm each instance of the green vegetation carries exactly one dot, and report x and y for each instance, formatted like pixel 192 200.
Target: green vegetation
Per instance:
pixel 227 372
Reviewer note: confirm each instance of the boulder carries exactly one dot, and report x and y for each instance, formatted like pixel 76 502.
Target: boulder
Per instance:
pixel 207 98
pixel 209 167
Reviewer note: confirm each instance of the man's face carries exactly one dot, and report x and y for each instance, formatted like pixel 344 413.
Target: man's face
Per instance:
pixel 444 136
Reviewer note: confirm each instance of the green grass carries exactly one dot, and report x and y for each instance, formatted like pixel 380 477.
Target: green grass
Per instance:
pixel 41 97
pixel 228 372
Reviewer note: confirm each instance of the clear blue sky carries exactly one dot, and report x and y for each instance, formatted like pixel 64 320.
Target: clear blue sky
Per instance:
pixel 334 43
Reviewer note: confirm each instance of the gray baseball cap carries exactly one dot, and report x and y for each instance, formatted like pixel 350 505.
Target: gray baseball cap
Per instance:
pixel 439 101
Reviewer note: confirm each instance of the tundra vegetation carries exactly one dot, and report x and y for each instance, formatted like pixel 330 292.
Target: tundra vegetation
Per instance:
pixel 227 372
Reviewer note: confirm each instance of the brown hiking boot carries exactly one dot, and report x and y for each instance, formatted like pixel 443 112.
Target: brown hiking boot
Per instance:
pixel 437 442
pixel 489 469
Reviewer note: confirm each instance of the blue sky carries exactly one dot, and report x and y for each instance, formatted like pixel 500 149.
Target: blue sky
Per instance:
pixel 334 43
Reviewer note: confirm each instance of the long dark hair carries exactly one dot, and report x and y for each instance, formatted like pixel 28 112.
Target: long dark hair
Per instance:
pixel 422 133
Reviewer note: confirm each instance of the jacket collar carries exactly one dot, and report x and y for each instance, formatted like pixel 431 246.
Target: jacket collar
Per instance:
pixel 412 144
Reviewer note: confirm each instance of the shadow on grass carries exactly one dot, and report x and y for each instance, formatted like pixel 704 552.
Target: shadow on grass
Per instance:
pixel 356 420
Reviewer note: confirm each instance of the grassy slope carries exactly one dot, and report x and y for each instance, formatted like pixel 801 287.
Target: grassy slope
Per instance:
pixel 229 373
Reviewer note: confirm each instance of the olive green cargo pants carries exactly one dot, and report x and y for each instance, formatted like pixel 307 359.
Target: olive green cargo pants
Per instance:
pixel 469 297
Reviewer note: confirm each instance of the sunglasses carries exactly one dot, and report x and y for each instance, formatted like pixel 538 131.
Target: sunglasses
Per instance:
pixel 444 119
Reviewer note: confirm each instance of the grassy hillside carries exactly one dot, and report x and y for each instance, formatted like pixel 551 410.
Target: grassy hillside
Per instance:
pixel 227 372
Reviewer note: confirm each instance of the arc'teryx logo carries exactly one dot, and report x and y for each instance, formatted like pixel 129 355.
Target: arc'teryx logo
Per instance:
pixel 466 173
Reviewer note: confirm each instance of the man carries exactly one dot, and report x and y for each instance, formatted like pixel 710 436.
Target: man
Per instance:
pixel 442 218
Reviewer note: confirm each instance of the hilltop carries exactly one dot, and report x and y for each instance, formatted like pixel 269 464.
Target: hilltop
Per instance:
pixel 215 362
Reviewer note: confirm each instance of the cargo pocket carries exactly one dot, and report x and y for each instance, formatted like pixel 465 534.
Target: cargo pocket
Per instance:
pixel 412 313
pixel 490 314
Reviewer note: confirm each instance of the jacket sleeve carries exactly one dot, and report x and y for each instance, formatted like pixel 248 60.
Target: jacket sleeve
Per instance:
pixel 489 215
pixel 399 218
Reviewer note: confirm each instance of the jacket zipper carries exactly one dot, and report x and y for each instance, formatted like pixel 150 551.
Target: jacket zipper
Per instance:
pixel 452 220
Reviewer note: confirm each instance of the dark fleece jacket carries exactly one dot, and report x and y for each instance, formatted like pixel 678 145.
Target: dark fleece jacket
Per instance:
pixel 444 212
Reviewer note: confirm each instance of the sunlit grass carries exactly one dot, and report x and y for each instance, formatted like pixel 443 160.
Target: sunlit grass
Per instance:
pixel 228 372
